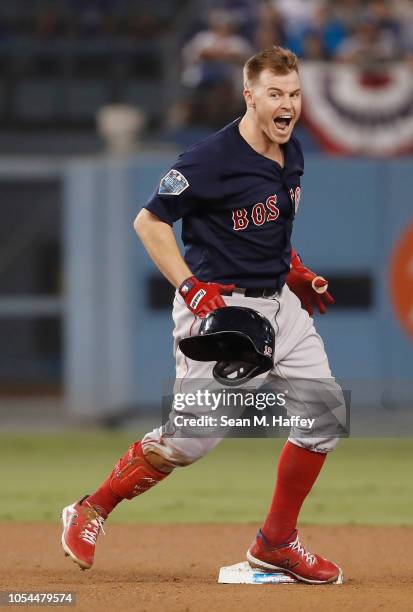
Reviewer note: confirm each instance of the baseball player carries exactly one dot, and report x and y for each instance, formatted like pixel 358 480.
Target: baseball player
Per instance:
pixel 237 193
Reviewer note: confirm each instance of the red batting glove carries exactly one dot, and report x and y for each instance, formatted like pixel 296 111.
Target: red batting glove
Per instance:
pixel 202 298
pixel 310 288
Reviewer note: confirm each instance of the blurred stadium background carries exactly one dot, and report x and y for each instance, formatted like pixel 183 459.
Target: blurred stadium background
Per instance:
pixel 96 99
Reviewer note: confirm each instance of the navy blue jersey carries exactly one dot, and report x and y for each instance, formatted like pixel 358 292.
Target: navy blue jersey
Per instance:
pixel 237 209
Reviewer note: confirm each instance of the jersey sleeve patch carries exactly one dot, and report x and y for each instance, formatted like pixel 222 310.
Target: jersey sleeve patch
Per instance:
pixel 173 183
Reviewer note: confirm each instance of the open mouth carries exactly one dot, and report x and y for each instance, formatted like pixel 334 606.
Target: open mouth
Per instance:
pixel 283 122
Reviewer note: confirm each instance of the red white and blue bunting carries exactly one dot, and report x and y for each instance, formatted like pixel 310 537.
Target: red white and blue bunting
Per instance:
pixel 352 111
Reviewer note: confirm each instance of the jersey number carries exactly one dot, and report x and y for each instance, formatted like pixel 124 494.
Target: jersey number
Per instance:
pixel 259 214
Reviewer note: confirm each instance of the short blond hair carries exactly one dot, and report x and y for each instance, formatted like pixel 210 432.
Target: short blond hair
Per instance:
pixel 277 59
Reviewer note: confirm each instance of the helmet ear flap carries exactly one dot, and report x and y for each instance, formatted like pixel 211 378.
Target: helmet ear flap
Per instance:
pixel 234 373
pixel 231 367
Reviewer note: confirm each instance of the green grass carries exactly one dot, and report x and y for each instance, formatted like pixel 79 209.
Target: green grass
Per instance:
pixel 363 481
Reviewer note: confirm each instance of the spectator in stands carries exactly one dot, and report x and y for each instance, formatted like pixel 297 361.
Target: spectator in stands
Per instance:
pixel 370 43
pixel 297 17
pixel 270 28
pixel 245 14
pixel 215 54
pixel 314 34
pixel 329 27
pixel 212 65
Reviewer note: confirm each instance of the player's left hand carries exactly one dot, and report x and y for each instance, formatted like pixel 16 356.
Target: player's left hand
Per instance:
pixel 310 288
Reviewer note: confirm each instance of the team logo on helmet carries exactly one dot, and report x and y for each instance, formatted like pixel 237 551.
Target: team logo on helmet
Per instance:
pixel 173 183
pixel 268 351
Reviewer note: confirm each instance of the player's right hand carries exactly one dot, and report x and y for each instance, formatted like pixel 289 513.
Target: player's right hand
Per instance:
pixel 202 298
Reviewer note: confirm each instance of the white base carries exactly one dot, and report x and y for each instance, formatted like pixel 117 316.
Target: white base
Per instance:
pixel 243 573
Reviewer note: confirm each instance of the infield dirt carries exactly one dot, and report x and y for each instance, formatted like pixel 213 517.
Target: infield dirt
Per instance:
pixel 175 568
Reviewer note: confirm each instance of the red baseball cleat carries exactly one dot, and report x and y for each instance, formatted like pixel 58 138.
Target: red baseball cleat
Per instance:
pixel 82 524
pixel 293 559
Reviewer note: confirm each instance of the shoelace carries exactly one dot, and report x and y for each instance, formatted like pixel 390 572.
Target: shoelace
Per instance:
pixel 93 527
pixel 296 545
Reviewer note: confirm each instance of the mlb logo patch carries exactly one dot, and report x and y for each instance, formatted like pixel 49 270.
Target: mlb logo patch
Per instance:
pixel 173 183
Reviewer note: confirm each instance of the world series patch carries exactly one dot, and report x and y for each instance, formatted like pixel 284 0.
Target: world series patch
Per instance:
pixel 173 183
